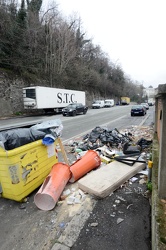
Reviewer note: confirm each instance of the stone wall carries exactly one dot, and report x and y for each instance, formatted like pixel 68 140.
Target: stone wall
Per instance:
pixel 11 101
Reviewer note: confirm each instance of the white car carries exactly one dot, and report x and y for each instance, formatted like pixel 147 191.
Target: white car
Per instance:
pixel 146 105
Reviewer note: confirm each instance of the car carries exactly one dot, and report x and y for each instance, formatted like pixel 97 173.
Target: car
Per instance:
pixel 138 110
pixel 74 109
pixel 145 104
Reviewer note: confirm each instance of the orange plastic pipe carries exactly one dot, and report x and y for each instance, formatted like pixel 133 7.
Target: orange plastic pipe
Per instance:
pixel 52 187
pixel 85 164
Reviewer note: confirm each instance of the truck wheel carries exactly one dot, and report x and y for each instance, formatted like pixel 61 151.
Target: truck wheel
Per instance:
pixel 84 112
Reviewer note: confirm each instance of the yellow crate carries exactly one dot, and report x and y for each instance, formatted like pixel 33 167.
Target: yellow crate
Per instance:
pixel 23 169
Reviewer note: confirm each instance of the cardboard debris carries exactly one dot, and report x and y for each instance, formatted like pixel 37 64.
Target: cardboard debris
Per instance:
pixel 107 179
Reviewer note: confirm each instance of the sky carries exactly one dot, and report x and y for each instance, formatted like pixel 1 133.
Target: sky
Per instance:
pixel 131 32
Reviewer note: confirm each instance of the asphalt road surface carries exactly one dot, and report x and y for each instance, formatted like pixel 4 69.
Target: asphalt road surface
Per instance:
pixel 122 222
pixel 115 117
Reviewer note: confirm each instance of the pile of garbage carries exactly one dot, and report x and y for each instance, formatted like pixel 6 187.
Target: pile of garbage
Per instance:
pixel 112 142
pixel 100 146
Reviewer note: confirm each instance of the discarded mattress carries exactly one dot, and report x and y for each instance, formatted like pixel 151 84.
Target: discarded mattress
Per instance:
pixel 107 179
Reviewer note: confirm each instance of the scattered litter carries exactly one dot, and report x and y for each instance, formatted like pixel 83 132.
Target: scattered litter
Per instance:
pixel 112 215
pixel 94 224
pixel 119 220
pixel 128 192
pixel 129 206
pixel 77 200
pixel 128 148
pixel 145 172
pixel 128 189
pixel 143 176
pixel 62 224
pixel 22 206
pixel 147 194
pixel 105 159
pixel 83 196
pixel 63 197
pixel 138 191
pixel 142 181
pixel 66 192
pixel 70 200
pixel 120 198
pixel 133 179
pixel 120 212
pixel 117 201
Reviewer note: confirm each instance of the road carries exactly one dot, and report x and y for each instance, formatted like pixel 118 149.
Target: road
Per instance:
pixel 115 117
pixel 23 226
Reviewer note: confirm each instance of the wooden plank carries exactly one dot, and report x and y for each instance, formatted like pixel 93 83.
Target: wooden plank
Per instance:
pixel 63 151
pixel 106 179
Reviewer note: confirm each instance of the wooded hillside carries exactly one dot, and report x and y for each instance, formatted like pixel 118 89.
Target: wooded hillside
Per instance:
pixel 47 48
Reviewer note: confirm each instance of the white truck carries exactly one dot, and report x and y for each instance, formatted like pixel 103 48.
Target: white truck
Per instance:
pixel 109 103
pixel 151 101
pixel 50 99
pixel 98 104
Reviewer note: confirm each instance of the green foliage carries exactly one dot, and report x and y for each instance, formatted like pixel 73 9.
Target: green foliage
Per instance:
pixel 149 186
pixel 18 113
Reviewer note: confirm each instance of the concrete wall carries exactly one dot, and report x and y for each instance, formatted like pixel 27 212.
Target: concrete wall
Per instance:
pixel 160 127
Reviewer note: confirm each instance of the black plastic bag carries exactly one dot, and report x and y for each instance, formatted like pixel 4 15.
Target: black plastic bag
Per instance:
pixel 143 143
pixel 15 138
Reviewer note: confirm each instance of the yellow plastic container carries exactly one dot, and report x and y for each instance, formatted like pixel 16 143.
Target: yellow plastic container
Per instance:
pixel 24 169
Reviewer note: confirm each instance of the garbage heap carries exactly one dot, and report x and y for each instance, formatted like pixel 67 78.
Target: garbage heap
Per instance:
pixel 133 140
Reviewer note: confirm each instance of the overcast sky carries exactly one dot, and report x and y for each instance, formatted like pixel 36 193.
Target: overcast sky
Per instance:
pixel 131 32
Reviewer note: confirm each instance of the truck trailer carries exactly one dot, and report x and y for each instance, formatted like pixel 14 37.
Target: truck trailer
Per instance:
pixel 50 99
pixel 125 100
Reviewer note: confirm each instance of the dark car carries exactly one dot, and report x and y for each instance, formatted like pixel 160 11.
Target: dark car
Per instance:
pixel 74 109
pixel 138 110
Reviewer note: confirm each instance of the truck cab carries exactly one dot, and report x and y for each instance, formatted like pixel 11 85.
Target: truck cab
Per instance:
pixel 98 104
pixel 109 103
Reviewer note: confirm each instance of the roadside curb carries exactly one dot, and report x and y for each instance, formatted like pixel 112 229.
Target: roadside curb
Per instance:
pixel 72 231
